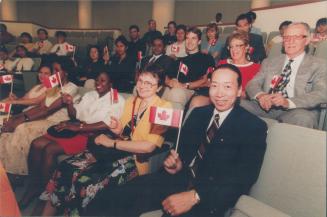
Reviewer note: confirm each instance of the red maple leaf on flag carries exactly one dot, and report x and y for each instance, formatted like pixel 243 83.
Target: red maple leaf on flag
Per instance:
pixel 7 78
pixel 54 80
pixel 163 116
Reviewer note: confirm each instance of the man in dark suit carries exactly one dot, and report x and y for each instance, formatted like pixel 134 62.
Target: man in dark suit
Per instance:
pixel 158 56
pixel 257 50
pixel 220 156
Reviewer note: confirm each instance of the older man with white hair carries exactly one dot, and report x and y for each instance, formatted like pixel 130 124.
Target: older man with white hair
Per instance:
pixel 290 87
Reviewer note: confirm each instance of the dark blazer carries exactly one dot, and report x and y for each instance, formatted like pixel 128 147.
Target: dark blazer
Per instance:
pixel 231 162
pixel 256 42
pixel 164 61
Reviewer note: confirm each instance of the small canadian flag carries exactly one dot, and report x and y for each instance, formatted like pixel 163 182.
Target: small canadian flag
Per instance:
pixel 52 81
pixel 70 48
pixel 183 68
pixel 166 116
pixel 5 79
pixel 41 44
pixel 5 107
pixel 114 96
pixel 275 81
pixel 210 69
pixel 174 48
pixel 139 56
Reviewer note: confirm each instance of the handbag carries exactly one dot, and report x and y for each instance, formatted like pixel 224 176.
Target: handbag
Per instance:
pixel 102 153
pixel 61 134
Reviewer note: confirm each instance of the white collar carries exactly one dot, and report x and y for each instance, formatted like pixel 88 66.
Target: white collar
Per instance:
pixel 222 115
pixel 299 58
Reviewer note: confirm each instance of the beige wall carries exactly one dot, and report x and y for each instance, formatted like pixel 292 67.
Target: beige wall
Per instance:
pixel 49 13
pixel 121 14
pixel 269 20
pixel 202 12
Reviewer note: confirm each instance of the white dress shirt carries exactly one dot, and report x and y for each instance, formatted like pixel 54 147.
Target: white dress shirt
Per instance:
pixel 222 116
pixel 295 65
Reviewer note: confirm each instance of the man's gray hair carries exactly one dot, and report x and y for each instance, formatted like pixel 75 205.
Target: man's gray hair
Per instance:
pixel 305 25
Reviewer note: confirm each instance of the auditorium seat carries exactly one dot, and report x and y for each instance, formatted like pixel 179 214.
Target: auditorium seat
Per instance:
pixel 76 34
pixel 272 35
pixel 91 34
pixel 228 30
pixel 30 79
pixel 264 37
pixel 292 180
pixel 275 50
pixel 321 50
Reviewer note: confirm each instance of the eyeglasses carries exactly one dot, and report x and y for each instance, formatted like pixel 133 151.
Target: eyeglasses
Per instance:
pixel 294 37
pixel 237 46
pixel 146 84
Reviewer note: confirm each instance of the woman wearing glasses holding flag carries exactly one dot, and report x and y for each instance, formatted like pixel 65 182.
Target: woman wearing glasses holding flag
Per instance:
pixel 114 157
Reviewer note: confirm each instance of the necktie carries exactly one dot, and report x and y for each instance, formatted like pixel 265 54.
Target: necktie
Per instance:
pixel 200 153
pixel 152 60
pixel 281 88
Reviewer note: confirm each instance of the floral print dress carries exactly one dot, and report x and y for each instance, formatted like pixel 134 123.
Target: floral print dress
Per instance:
pixel 78 179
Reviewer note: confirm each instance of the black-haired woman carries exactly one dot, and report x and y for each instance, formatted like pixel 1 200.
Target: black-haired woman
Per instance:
pixel 122 67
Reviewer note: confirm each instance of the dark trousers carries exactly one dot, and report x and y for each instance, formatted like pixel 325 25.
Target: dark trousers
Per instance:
pixel 143 194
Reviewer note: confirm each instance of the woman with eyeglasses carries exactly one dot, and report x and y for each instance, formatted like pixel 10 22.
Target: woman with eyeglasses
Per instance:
pixel 239 48
pixel 113 157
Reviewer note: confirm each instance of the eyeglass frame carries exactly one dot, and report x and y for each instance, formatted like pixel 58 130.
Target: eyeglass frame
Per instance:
pixel 294 37
pixel 146 84
pixel 238 46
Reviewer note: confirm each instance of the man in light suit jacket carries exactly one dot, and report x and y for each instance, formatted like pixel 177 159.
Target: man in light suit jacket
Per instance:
pixel 230 162
pixel 306 87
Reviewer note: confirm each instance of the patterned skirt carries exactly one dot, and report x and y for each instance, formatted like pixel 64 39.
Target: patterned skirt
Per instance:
pixel 78 179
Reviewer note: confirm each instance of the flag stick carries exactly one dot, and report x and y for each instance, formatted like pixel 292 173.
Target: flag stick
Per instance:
pixel 8 115
pixel 60 81
pixel 74 53
pixel 177 75
pixel 12 86
pixel 111 96
pixel 179 130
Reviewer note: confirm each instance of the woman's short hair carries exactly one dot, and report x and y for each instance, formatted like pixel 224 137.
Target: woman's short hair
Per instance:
pixel 42 30
pixel 60 33
pixel 240 35
pixel 321 21
pixel 157 72
pixel 181 26
pixel 122 40
pixel 214 27
pixel 27 35
pixel 22 47
pixel 95 47
pixel 67 65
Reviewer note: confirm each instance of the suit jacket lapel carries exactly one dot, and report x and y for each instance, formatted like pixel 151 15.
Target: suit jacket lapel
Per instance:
pixel 228 123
